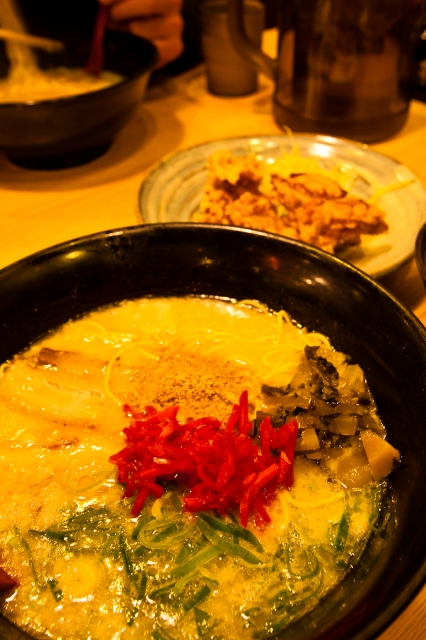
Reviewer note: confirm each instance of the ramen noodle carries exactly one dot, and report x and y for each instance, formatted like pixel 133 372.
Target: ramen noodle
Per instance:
pixel 82 558
pixel 34 85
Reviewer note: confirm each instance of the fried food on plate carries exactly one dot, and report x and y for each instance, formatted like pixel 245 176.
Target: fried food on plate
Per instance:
pixel 312 207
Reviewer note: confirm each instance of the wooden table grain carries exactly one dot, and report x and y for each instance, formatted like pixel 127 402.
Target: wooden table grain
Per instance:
pixel 40 208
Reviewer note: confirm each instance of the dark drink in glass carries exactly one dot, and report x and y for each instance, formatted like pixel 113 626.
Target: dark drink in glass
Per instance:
pixel 345 67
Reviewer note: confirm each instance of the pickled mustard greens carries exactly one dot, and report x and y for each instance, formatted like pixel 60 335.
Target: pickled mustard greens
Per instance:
pixel 86 568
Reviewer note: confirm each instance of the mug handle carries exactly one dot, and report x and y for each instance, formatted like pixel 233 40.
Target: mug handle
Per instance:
pixel 243 44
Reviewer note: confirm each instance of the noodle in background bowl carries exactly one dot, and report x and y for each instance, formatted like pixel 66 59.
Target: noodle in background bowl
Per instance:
pixel 320 292
pixel 64 132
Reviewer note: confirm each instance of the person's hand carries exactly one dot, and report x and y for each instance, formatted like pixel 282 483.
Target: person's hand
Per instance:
pixel 159 21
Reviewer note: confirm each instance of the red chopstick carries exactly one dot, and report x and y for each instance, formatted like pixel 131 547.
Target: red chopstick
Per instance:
pixel 96 57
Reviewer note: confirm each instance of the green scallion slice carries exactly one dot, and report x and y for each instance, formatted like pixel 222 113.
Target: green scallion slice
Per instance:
pixel 196 599
pixel 342 534
pixel 197 561
pixel 232 529
pixel 226 546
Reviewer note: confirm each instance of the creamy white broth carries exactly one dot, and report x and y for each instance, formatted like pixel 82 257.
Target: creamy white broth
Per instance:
pixel 67 536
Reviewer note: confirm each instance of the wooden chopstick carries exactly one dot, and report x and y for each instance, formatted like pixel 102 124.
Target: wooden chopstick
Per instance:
pixel 33 41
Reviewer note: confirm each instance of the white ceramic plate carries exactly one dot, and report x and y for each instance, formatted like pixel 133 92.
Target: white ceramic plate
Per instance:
pixel 172 190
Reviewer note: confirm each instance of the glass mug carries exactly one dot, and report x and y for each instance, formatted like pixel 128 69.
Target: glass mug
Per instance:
pixel 344 68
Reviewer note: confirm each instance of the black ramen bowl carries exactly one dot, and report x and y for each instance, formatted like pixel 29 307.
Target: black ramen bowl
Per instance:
pixel 64 132
pixel 420 253
pixel 322 293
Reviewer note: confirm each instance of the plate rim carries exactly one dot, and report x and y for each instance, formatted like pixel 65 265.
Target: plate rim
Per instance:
pixel 157 167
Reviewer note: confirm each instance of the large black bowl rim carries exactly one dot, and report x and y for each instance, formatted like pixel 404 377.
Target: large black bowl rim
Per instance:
pixel 88 95
pixel 137 229
pixel 394 608
pixel 64 247
pixel 420 252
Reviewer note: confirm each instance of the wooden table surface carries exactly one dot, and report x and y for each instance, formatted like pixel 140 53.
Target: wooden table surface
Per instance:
pixel 40 208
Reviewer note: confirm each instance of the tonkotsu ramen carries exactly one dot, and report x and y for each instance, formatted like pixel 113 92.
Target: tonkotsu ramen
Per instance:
pixel 183 468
